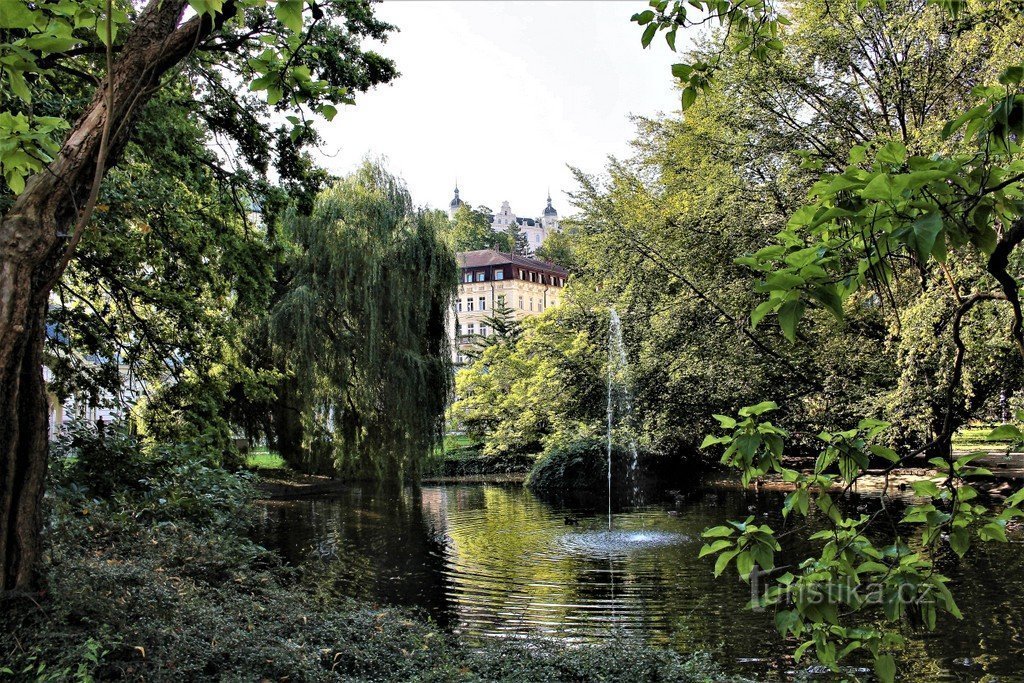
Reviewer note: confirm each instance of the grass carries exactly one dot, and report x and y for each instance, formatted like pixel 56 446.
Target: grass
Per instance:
pixel 974 438
pixel 262 458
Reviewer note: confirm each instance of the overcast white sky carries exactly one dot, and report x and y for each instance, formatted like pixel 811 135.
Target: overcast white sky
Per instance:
pixel 502 95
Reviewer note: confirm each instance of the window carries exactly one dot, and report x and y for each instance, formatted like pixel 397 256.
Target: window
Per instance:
pixel 481 276
pixel 483 330
pixel 483 303
pixel 531 303
pixel 501 299
pixel 460 306
pixel 520 303
pixel 468 277
pixel 522 274
pixel 469 304
pixel 470 329
pixel 561 282
pixel 536 237
pixel 499 274
pixel 458 358
pixel 533 276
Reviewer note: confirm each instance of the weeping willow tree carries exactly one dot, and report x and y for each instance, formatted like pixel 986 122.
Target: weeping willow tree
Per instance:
pixel 360 332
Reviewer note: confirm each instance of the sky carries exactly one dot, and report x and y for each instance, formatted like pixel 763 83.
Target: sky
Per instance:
pixel 502 95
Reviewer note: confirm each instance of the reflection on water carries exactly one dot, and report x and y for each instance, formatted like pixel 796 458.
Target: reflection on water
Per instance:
pixel 488 560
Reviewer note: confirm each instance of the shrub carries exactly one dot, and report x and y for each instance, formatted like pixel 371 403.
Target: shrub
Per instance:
pixel 578 465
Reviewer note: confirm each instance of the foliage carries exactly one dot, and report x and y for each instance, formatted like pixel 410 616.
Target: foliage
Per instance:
pixel 939 201
pixel 521 396
pixel 576 466
pixel 558 249
pixel 516 240
pixel 831 599
pixel 302 55
pixel 505 330
pixel 361 328
pixel 158 484
pixel 470 230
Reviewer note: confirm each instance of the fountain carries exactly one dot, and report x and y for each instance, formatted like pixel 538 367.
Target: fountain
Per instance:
pixel 621 542
pixel 620 400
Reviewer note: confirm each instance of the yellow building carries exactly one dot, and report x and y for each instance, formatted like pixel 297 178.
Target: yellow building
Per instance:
pixel 488 278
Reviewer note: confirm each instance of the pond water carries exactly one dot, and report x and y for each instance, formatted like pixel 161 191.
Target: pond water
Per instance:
pixel 487 560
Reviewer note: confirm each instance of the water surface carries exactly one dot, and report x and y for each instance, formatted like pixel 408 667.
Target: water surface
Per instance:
pixel 490 560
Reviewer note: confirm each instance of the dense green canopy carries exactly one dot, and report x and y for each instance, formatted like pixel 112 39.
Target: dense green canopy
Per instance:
pixel 361 328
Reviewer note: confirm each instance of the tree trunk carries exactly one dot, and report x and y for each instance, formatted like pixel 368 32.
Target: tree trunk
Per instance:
pixel 37 236
pixel 287 421
pixel 23 414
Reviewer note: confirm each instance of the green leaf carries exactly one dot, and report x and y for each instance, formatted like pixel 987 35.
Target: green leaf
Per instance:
pixel 758 409
pixel 16 14
pixel 648 35
pixel 643 18
pixel 885 667
pixel 993 531
pixel 723 561
pixel 959 540
pixel 763 309
pixel 689 97
pixel 884 452
pixel 289 13
pixel 714 547
pixel 718 531
pixel 329 111
pixel 19 86
pixel 1012 75
pixel 892 153
pixel 923 233
pixel 782 282
pixel 744 564
pixel 1005 433
pixel 712 440
pixel 682 71
pixel 789 315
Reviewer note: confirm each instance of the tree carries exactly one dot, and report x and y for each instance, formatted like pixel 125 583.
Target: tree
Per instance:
pixel 505 329
pixel 361 334
pixel 947 205
pixel 471 230
pixel 124 54
pixel 558 249
pixel 516 240
pixel 545 388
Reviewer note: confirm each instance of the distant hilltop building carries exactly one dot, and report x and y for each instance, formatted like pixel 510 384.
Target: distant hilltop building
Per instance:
pixel 535 229
pixel 491 279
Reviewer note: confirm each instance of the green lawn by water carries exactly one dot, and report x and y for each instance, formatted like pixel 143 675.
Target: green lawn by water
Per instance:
pixel 262 458
pixel 973 438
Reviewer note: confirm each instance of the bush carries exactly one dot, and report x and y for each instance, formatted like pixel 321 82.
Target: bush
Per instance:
pixel 158 483
pixel 578 465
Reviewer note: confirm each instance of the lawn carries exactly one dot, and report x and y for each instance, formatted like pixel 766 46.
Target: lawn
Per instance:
pixel 262 458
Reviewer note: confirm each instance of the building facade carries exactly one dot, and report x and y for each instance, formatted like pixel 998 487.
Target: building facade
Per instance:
pixel 489 278
pixel 535 229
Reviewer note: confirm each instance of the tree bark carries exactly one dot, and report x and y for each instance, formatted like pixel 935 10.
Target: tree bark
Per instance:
pixel 37 237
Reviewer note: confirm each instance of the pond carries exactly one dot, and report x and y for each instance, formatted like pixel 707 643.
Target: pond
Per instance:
pixel 489 560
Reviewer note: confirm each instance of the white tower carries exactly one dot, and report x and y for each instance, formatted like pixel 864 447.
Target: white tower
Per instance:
pixel 550 219
pixel 455 203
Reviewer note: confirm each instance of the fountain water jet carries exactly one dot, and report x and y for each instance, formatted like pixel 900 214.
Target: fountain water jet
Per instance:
pixel 619 397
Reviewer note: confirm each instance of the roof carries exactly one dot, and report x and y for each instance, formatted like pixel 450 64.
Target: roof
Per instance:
pixel 493 257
